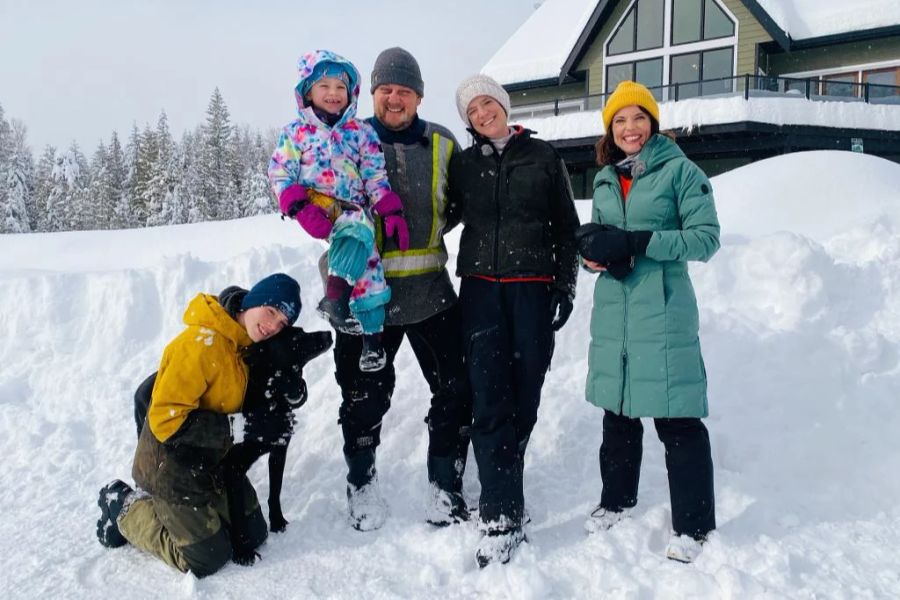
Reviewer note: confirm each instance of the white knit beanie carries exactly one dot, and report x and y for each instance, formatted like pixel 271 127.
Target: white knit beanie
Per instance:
pixel 479 85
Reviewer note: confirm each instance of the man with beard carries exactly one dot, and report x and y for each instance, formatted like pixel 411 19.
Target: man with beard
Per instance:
pixel 423 309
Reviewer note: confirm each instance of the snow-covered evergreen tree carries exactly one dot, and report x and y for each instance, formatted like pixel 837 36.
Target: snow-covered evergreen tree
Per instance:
pixel 19 182
pixel 43 184
pixel 255 199
pixel 161 189
pixel 66 203
pixel 130 207
pixel 196 206
pixel 97 189
pixel 114 201
pixel 217 163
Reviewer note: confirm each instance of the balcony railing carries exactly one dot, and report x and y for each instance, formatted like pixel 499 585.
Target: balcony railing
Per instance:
pixel 750 86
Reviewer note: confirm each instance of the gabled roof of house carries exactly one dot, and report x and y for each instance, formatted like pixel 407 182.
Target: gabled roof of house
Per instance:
pixel 546 48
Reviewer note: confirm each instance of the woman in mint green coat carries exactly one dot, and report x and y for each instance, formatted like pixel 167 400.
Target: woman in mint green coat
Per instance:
pixel 653 211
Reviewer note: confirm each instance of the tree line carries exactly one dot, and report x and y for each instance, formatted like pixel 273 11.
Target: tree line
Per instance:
pixel 216 171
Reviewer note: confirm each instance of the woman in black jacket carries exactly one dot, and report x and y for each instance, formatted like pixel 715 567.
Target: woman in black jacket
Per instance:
pixel 517 261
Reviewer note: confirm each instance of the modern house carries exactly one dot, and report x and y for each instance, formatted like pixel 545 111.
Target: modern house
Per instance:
pixel 738 80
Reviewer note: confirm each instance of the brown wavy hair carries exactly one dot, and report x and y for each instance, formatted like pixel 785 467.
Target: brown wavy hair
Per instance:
pixel 607 151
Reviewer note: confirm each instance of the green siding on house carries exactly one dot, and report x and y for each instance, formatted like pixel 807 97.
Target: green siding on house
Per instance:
pixel 834 56
pixel 548 94
pixel 750 34
pixel 592 62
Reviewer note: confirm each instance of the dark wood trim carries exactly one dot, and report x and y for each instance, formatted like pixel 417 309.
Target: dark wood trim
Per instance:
pixel 759 13
pixel 842 38
pixel 601 12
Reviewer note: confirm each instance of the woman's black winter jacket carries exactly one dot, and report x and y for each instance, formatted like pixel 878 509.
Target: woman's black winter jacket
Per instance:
pixel 518 211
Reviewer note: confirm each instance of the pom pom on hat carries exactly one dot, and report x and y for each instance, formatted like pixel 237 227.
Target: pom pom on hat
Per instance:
pixel 629 93
pixel 279 291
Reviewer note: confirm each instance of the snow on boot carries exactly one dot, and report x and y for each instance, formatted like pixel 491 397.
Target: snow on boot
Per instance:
pixel 367 509
pixel 373 356
pixel 684 548
pixel 602 519
pixel 337 313
pixel 498 546
pixel 445 508
pixel 111 500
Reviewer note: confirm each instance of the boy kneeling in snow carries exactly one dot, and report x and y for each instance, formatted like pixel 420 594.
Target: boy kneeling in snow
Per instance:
pixel 180 513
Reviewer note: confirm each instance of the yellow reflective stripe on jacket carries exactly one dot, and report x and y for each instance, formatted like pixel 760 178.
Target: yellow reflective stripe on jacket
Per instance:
pixel 442 149
pixel 413 262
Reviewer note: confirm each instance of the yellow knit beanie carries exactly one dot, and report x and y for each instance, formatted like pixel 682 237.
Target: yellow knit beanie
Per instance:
pixel 629 93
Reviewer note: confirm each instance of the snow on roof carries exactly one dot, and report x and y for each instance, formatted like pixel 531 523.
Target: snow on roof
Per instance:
pixel 539 48
pixel 686 114
pixel 803 19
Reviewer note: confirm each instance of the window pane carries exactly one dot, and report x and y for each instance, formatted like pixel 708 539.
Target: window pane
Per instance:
pixel 623 41
pixel 889 77
pixel 686 21
pixel 717 22
pixel 615 74
pixel 685 68
pixel 650 24
pixel 717 63
pixel 839 85
pixel 649 73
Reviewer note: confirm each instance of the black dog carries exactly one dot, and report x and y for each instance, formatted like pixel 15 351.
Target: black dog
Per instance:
pixel 274 389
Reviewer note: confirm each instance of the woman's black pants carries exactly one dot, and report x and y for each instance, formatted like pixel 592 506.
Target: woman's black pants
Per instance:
pixel 688 462
pixel 509 343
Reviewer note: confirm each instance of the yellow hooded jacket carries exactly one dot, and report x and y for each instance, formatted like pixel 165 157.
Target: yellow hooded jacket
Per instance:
pixel 201 368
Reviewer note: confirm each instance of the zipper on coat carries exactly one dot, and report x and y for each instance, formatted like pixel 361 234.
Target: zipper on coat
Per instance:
pixel 625 311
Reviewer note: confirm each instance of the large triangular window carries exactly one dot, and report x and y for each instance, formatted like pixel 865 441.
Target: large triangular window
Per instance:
pixel 642 28
pixel 677 48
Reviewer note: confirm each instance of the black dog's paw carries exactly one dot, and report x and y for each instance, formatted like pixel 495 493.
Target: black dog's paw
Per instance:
pixel 245 558
pixel 277 523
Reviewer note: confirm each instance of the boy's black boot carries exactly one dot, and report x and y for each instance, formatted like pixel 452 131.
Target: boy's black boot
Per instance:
pixel 111 500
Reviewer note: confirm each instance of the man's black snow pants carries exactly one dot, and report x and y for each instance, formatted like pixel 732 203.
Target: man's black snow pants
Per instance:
pixel 366 397
pixel 688 462
pixel 509 343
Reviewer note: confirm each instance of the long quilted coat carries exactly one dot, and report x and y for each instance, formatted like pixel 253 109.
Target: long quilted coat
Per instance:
pixel 644 358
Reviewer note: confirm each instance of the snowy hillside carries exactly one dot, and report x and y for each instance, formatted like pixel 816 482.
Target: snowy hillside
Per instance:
pixel 800 325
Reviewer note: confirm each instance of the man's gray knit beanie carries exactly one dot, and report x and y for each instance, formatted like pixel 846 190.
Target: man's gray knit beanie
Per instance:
pixel 479 85
pixel 397 66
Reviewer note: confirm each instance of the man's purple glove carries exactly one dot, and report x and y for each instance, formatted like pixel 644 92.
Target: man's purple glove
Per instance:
pixel 292 199
pixel 314 220
pixel 390 209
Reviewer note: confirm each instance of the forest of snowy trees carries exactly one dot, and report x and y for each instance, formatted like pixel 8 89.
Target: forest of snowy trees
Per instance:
pixel 217 171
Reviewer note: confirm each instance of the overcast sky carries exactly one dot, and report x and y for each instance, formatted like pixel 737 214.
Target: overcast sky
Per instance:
pixel 79 69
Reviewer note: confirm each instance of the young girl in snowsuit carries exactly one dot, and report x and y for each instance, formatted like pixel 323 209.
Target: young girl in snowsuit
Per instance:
pixel 328 173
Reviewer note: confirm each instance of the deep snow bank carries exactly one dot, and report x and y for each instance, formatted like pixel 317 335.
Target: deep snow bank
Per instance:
pixel 800 330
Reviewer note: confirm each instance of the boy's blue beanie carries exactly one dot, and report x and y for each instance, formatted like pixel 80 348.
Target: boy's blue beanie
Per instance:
pixel 278 291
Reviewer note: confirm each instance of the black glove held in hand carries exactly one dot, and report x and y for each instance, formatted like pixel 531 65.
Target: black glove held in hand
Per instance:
pixel 560 309
pixel 605 243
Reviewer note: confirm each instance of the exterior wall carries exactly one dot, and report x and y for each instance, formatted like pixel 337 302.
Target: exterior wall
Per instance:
pixel 548 94
pixel 838 55
pixel 592 62
pixel 750 35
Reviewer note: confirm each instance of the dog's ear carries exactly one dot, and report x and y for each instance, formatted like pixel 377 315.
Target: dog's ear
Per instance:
pixel 307 346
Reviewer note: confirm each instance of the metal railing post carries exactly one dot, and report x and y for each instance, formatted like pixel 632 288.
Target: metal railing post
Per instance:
pixel 556 107
pixel 807 89
pixel 866 92
pixel 746 86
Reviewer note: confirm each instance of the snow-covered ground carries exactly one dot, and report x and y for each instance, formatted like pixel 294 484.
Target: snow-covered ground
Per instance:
pixel 800 314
